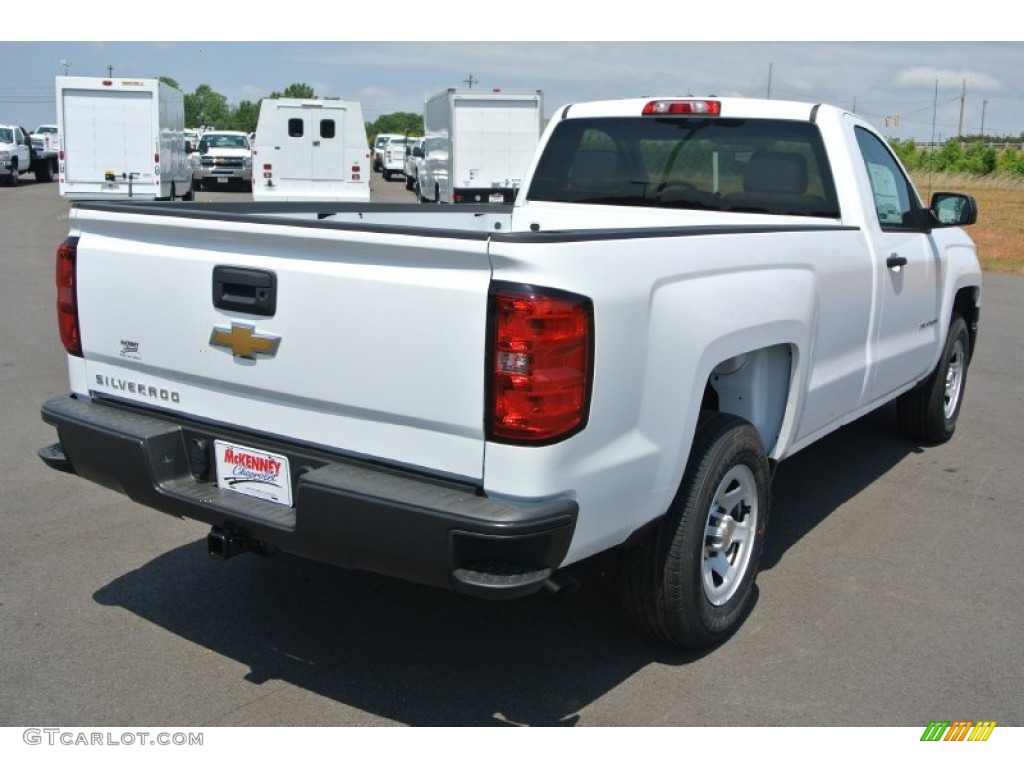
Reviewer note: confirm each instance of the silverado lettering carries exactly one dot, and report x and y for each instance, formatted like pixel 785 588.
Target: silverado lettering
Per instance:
pixel 137 388
pixel 684 293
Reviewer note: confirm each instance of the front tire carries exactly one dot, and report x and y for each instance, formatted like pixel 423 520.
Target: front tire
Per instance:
pixel 929 412
pixel 691 583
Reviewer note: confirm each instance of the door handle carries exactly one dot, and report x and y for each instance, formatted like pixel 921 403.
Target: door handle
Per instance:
pixel 240 289
pixel 894 262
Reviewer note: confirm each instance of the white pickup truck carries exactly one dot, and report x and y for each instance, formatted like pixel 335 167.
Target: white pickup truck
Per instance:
pixel 685 292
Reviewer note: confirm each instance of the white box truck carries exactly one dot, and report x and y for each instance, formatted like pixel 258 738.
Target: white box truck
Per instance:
pixel 121 138
pixel 479 144
pixel 311 149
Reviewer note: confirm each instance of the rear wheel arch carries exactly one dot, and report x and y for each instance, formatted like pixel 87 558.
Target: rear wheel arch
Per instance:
pixel 755 386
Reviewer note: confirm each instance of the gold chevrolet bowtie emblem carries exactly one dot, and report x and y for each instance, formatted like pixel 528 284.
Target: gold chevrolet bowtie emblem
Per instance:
pixel 243 341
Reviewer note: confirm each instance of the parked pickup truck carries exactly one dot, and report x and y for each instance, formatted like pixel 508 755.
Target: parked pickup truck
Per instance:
pixel 393 157
pixel 19 155
pixel 685 292
pixel 45 149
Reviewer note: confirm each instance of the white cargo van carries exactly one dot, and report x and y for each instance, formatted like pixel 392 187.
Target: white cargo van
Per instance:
pixel 479 144
pixel 311 149
pixel 121 138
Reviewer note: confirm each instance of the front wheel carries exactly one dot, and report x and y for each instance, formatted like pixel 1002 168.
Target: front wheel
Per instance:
pixel 930 411
pixel 691 583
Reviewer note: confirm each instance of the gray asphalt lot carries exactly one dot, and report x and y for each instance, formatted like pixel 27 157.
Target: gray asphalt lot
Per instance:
pixel 891 592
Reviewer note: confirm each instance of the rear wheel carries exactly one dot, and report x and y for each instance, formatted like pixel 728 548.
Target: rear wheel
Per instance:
pixel 691 583
pixel 930 411
pixel 45 170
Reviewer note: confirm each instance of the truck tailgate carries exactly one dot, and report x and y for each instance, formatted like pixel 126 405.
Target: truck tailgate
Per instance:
pixel 380 338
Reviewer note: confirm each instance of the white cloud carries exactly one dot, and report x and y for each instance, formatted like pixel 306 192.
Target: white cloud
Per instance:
pixel 947 78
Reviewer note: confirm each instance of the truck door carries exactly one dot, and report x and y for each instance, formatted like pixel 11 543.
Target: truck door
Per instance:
pixel 907 329
pixel 315 138
pixel 327 143
pixel 295 161
pixel 108 132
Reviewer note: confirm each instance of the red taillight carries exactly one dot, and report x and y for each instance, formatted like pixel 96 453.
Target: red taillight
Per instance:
pixel 687 107
pixel 540 364
pixel 67 296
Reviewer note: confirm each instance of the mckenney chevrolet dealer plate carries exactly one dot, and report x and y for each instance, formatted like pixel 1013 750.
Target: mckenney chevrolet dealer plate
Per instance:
pixel 254 473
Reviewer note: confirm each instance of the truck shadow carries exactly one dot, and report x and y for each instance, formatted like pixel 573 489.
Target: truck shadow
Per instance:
pixel 809 486
pixel 422 656
pixel 412 654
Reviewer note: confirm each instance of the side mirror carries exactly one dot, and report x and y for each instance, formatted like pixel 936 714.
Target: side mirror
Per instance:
pixel 951 209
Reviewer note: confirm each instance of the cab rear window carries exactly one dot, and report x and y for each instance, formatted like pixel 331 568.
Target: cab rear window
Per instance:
pixel 756 166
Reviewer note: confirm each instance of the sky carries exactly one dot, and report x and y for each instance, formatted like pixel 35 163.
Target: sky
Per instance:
pixel 936 89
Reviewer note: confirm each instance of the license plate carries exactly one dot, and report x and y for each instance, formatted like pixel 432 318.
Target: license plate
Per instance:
pixel 497 198
pixel 253 472
pixel 222 180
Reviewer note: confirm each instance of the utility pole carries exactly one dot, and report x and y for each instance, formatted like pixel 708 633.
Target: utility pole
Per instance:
pixel 768 92
pixel 66 63
pixel 469 82
pixel 110 70
pixel 984 105
pixel 960 126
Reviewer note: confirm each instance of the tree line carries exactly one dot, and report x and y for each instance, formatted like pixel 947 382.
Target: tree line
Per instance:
pixel 975 157
pixel 204 107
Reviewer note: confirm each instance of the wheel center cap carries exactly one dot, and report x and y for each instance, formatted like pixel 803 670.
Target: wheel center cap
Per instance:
pixel 724 535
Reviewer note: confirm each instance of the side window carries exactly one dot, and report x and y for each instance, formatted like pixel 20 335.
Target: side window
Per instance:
pixel 895 200
pixel 295 127
pixel 326 129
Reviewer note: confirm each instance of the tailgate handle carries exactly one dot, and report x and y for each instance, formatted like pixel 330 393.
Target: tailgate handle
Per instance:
pixel 239 289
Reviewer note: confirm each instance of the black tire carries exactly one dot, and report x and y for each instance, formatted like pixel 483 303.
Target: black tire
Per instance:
pixel 685 585
pixel 929 412
pixel 45 170
pixel 409 183
pixel 189 195
pixel 386 174
pixel 15 173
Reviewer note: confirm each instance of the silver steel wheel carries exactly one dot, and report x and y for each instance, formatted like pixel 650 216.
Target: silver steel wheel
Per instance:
pixel 954 379
pixel 729 535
